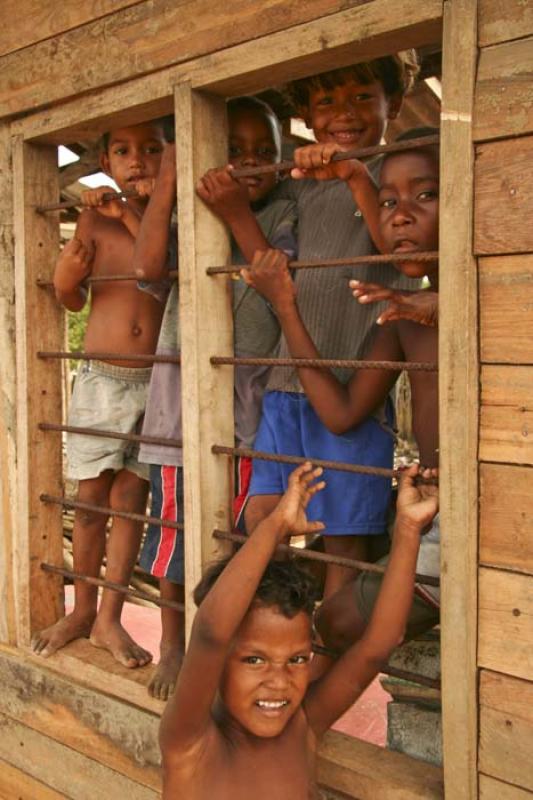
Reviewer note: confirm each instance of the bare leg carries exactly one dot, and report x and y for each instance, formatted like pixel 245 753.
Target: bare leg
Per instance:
pixel 339 621
pixel 172 647
pixel 128 493
pixel 88 543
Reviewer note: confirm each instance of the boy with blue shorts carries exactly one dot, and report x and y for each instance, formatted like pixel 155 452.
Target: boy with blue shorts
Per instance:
pixel 350 108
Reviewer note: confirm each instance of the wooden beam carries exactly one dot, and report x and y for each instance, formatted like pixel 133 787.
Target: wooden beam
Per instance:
pixel 458 408
pixel 15 784
pixel 506 623
pixel 506 732
pixel 500 22
pixel 206 327
pixel 39 323
pixel 363 31
pixel 491 789
pixel 506 422
pixel 504 101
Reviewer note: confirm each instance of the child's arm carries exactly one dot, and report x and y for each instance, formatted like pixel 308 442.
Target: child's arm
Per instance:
pixel 421 306
pixel 339 406
pixel 228 199
pixel 187 715
pixel 74 265
pixel 151 245
pixel 336 692
pixel 315 161
pixel 115 209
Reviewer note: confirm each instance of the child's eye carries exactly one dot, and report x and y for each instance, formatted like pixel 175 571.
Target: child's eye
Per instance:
pixel 266 152
pixel 428 194
pixel 325 101
pixel 387 202
pixel 359 98
pixel 253 660
pixel 154 148
pixel 119 151
pixel 234 151
pixel 301 659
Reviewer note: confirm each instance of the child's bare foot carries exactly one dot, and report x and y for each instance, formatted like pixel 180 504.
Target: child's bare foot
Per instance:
pixel 73 626
pixel 113 637
pixel 164 680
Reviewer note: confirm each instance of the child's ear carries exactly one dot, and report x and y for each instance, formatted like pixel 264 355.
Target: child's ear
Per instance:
pixel 395 103
pixel 104 163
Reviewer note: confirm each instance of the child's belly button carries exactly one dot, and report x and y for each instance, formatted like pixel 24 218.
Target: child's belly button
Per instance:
pixel 136 329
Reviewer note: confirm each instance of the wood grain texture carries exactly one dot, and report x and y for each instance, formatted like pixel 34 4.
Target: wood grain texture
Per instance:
pixel 506 732
pixel 504 197
pixel 18 785
pixel 506 622
pixel 506 309
pixel 504 90
pixel 500 22
pixel 458 406
pixel 506 422
pixel 491 789
pixel 506 517
pixel 39 323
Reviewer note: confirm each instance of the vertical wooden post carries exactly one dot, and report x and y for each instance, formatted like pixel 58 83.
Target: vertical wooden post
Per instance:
pixel 459 403
pixel 206 329
pixel 8 428
pixel 39 326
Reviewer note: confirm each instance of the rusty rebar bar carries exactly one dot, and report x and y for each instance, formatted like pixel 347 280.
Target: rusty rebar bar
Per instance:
pixel 127 437
pixel 115 587
pixel 106 197
pixel 325 558
pixel 128 276
pixel 69 502
pixel 360 152
pixel 326 363
pixel 77 355
pixel 324 263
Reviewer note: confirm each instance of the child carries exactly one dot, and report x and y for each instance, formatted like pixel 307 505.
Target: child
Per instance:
pixel 108 395
pixel 407 214
pixel 254 139
pixel 350 108
pixel 244 720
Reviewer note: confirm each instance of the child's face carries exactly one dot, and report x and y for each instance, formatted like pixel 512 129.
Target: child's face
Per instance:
pixel 267 671
pixel 409 207
pixel 352 114
pixel 134 153
pixel 252 144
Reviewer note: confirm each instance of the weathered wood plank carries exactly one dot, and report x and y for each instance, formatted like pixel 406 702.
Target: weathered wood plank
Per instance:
pixel 506 309
pixel 504 90
pixel 274 58
pixel 491 789
pixel 506 423
pixel 7 392
pixel 39 324
pixel 504 197
pixel 63 769
pixel 506 623
pixel 33 21
pixel 506 517
pixel 506 731
pixel 17 785
pixel 206 327
pixel 500 22
pixel 363 770
pixel 458 407
pixel 115 733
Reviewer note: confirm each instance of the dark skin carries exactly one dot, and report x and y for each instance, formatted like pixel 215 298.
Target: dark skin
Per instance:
pixel 124 320
pixel 244 720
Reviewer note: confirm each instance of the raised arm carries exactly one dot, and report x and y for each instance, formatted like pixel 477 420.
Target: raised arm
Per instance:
pixel 188 712
pixel 421 306
pixel 74 265
pixel 339 406
pixel 151 246
pixel 336 692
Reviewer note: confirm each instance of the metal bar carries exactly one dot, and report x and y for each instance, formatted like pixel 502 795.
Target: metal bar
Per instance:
pixel 77 355
pixel 115 587
pixel 128 276
pixel 376 258
pixel 361 152
pixel 327 363
pixel 313 555
pixel 127 437
pixel 129 193
pixel 68 502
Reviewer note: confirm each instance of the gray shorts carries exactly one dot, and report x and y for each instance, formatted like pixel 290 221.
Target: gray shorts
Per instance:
pixel 112 398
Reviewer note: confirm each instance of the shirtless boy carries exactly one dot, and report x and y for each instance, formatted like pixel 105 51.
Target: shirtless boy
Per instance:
pixel 108 395
pixel 407 221
pixel 244 720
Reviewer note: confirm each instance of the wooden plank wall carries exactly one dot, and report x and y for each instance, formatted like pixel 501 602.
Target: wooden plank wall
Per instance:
pixel 503 236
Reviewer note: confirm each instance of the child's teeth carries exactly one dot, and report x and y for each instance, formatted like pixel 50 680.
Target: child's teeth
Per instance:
pixel 271 703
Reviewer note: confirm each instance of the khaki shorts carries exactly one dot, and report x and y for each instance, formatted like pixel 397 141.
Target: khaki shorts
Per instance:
pixel 112 398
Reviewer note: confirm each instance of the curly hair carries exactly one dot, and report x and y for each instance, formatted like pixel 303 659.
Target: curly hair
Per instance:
pixel 396 74
pixel 285 585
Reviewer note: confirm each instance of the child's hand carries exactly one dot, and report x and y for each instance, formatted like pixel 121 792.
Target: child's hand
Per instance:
pixel 314 161
pixel 417 503
pixel 225 196
pixel 94 198
pixel 73 265
pixel 269 275
pixel 421 306
pixel 145 187
pixel 291 519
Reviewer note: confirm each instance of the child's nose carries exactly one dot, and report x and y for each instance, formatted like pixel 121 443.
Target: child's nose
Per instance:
pixel 137 158
pixel 249 159
pixel 402 215
pixel 277 677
